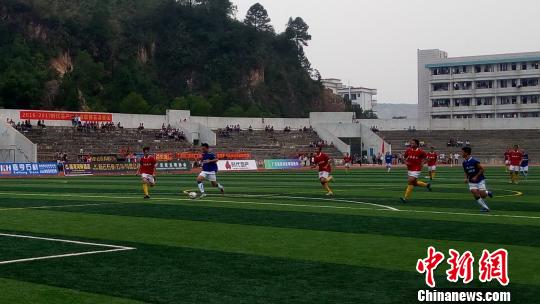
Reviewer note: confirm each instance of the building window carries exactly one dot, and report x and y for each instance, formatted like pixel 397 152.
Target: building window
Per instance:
pixel 514 66
pixel 524 66
pixel 440 116
pixel 524 99
pixel 440 87
pixel 353 96
pixel 536 65
pixel 529 82
pixel 503 83
pixel 440 71
pixel 484 101
pixel 503 67
pixel 505 100
pixel 478 69
pixel 514 83
pixel 507 115
pixel 462 102
pixel 440 103
pixel 488 68
pixel 484 84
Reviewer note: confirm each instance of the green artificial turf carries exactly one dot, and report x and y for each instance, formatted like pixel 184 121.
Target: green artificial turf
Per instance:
pixel 273 238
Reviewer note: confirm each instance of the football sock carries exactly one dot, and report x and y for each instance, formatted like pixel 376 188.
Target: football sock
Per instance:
pixel 433 174
pixel 220 186
pixel 327 187
pixel 421 184
pixel 409 191
pixel 201 187
pixel 482 203
pixel 145 189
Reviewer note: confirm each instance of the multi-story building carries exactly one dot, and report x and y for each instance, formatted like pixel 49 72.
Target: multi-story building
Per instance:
pixel 492 86
pixel 363 97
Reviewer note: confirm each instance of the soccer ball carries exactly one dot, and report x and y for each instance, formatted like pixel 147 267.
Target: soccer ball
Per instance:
pixel 192 195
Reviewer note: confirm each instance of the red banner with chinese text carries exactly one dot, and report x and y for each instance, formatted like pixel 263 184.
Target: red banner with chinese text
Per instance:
pixel 221 155
pixel 46 115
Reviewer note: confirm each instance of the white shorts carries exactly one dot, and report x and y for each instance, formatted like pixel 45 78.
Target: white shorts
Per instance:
pixel 415 174
pixel 525 168
pixel 347 165
pixel 210 176
pixel 324 174
pixel 388 165
pixel 514 168
pixel 148 178
pixel 478 186
pixel 432 168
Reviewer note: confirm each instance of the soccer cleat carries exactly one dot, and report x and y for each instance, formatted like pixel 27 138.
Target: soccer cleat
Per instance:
pixel 403 200
pixel 203 195
pixel 222 190
pixel 146 197
pixel 484 210
pixel 429 187
pixel 330 194
pixel 490 194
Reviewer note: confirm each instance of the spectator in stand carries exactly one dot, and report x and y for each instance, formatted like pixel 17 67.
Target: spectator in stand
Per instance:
pixel 250 129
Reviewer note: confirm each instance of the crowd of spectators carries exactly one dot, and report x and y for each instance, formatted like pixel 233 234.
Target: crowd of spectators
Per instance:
pixel 321 143
pixel 168 132
pixel 90 126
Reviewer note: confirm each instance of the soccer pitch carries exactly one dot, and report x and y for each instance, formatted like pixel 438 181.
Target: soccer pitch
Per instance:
pixel 273 238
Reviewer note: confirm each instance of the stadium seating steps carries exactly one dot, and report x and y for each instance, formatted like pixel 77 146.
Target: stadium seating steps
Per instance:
pixel 261 144
pixel 488 145
pixel 273 145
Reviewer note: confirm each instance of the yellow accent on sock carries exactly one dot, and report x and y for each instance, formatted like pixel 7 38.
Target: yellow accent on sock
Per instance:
pixel 145 189
pixel 421 184
pixel 409 191
pixel 433 174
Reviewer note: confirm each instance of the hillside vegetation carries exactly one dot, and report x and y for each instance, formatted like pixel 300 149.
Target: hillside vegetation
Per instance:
pixel 146 56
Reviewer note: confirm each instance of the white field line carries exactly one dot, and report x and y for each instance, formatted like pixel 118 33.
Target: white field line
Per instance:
pixel 386 208
pixel 113 248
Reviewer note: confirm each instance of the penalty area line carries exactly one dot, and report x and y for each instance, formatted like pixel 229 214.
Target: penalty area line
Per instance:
pixel 112 248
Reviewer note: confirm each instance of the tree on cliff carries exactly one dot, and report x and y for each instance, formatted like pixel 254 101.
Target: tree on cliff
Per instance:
pixel 257 17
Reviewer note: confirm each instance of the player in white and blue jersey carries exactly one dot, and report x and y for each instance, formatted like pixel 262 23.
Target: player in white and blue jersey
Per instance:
pixel 209 171
pixel 388 158
pixel 524 168
pixel 474 176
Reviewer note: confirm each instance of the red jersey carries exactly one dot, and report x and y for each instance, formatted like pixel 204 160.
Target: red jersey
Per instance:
pixel 507 155
pixel 516 156
pixel 415 159
pixel 323 161
pixel 432 158
pixel 347 159
pixel 148 165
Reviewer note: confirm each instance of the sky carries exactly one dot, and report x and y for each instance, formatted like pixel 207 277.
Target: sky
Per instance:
pixel 373 43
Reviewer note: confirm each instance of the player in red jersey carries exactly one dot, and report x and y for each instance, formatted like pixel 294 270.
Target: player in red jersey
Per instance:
pixel 147 171
pixel 431 158
pixel 507 158
pixel 515 157
pixel 325 169
pixel 347 160
pixel 415 159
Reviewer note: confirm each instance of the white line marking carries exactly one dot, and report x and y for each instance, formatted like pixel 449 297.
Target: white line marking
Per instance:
pixel 114 248
pixel 57 206
pixel 269 204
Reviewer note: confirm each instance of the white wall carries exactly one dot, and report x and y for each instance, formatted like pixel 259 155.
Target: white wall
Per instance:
pixel 215 123
pixel 23 149
pixel 332 131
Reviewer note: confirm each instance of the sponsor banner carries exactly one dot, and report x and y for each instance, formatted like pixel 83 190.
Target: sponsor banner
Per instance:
pixel 47 115
pixel 237 165
pixel 164 157
pixel 220 155
pixel 174 166
pixel 103 158
pixel 21 169
pixel 98 168
pixel 277 164
pixel 77 169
